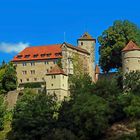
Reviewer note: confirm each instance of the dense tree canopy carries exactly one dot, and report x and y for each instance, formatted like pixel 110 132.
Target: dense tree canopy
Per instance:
pixel 8 79
pixel 34 116
pixel 113 40
pixel 132 82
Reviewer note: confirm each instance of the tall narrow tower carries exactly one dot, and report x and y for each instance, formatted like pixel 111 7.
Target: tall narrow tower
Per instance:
pixel 88 43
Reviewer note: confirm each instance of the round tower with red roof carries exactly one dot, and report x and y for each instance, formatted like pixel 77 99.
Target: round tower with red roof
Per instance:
pixel 131 57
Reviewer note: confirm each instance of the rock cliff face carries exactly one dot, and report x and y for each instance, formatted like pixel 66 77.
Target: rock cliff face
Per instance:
pixel 119 129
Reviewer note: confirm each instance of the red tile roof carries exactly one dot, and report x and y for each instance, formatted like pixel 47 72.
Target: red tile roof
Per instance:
pixel 131 46
pixel 39 53
pixel 56 70
pixel 44 52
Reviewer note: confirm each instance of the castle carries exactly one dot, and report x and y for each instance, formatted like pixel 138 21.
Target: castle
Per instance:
pixel 39 64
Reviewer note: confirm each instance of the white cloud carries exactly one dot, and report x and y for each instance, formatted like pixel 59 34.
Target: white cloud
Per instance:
pixel 12 47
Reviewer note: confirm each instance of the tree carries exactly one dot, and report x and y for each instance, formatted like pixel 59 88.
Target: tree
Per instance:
pixel 113 40
pixel 86 117
pixel 80 84
pixel 133 109
pixel 9 79
pixel 33 117
pixel 109 90
pixel 2 112
pixel 131 82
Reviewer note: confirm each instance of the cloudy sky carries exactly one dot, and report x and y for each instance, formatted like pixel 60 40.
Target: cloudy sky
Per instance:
pixel 39 22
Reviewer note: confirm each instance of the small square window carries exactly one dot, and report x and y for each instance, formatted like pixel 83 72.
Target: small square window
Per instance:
pixel 24 64
pixel 32 63
pixel 52 85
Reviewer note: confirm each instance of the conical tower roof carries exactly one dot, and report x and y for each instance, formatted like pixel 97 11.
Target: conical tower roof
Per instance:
pixel 131 46
pixel 97 69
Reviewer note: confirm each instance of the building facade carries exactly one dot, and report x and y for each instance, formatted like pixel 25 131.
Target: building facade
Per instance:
pixel 37 64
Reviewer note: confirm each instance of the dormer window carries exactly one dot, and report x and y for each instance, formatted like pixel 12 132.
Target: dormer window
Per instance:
pixel 19 56
pixel 35 55
pixel 48 55
pixel 58 54
pixel 42 55
pixel 27 56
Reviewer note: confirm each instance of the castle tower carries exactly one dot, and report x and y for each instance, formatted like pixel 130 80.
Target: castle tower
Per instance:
pixel 97 72
pixel 88 43
pixel 57 83
pixel 131 57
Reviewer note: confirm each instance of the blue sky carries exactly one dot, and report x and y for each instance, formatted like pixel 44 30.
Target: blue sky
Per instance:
pixel 39 22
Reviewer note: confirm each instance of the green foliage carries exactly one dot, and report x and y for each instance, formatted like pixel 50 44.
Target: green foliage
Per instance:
pixel 86 116
pixel 138 129
pixel 127 137
pixel 9 79
pixel 77 65
pixel 80 84
pixel 108 90
pixel 133 109
pixel 32 85
pixel 131 82
pixel 2 112
pixel 59 62
pixel 113 40
pixel 60 134
pixel 33 116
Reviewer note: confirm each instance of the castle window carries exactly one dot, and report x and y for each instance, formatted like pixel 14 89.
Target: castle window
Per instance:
pixel 27 79
pixel 47 70
pixel 50 67
pixel 43 79
pixel 81 43
pixel 20 80
pixel 35 55
pixel 55 62
pixel 52 85
pixel 46 62
pixel 35 79
pixel 53 76
pixel 24 64
pixel 27 56
pixel 48 55
pixel 42 55
pixel 32 63
pixel 19 56
pixel 32 71
pixel 24 72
